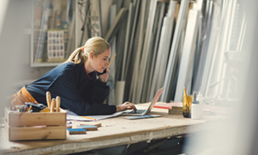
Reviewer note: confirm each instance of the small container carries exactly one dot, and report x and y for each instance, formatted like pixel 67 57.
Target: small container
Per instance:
pixel 195 109
pixel 35 125
pixel 186 107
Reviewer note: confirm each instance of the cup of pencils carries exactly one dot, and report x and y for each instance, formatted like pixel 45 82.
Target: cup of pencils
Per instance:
pixel 187 102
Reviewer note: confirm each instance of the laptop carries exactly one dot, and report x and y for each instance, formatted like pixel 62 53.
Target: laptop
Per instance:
pixel 141 112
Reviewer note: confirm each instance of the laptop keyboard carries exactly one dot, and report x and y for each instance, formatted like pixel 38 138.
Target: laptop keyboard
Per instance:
pixel 139 111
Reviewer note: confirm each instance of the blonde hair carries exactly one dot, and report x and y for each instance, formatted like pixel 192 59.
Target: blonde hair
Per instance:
pixel 96 44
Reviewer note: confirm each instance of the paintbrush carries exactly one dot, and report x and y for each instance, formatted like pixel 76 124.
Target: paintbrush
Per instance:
pixel 185 96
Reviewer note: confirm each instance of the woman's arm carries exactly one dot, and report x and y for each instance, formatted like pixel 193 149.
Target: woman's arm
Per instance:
pixel 126 106
pixel 100 90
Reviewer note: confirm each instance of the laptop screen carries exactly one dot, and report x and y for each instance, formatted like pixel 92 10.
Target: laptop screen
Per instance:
pixel 155 99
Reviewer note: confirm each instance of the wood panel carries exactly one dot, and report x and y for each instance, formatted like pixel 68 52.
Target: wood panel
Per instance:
pixel 35 132
pixel 15 119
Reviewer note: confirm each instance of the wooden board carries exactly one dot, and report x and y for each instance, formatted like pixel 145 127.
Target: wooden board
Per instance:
pixel 98 124
pixel 15 119
pixel 163 51
pixel 165 105
pixel 174 50
pixel 35 132
pixel 186 63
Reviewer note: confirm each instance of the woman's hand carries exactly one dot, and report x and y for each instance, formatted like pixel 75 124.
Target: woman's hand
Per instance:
pixel 126 106
pixel 104 77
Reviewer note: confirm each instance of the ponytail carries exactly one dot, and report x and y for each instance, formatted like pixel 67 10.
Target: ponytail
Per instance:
pixel 77 56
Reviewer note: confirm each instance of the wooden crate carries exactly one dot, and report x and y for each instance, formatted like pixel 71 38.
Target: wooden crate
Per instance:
pixel 35 126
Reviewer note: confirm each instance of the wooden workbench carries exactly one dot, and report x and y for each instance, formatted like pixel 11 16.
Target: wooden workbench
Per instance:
pixel 114 132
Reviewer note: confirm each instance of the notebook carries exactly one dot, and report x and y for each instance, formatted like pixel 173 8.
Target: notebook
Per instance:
pixel 141 112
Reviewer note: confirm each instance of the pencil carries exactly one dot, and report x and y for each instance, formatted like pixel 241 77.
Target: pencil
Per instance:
pixel 89 117
pixel 112 59
pixel 186 99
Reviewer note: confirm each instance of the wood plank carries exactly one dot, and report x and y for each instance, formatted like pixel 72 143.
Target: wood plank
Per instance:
pixel 112 73
pixel 15 119
pixel 127 38
pixel 138 53
pixel 113 29
pixel 165 1
pixel 155 53
pixel 186 63
pixel 146 51
pixel 98 124
pixel 36 132
pixel 163 51
pixel 174 50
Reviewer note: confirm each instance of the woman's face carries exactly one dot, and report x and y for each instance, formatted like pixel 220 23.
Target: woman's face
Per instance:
pixel 101 61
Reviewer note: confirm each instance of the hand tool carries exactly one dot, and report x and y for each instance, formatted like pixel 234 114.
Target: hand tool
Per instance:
pixel 48 98
pixel 53 104
pixel 57 103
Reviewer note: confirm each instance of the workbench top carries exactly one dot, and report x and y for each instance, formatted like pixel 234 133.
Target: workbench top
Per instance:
pixel 113 132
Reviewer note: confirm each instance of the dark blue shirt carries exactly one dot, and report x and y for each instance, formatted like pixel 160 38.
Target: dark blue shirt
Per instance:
pixel 79 91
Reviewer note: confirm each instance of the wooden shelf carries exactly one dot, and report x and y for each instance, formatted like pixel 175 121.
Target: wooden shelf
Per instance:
pixel 51 30
pixel 38 30
pixel 45 64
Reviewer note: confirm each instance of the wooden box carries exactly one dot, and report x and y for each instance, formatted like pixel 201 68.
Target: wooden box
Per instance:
pixel 35 126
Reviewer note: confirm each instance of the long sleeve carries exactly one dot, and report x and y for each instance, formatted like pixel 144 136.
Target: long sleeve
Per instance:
pixel 100 92
pixel 65 87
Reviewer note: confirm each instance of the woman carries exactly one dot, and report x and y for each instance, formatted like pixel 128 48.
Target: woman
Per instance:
pixel 76 82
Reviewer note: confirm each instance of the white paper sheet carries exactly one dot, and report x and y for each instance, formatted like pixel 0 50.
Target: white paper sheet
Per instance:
pixel 72 116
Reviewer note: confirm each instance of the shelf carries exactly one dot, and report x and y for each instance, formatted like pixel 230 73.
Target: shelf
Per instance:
pixel 45 64
pixel 56 20
pixel 36 40
pixel 52 30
